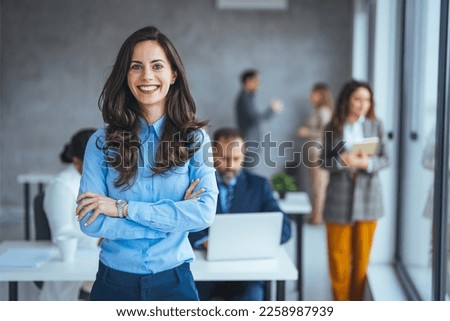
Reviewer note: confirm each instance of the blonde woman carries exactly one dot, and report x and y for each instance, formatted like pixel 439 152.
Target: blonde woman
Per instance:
pixel 322 102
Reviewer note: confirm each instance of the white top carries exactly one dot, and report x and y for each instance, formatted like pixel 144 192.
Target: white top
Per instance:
pixel 60 204
pixel 353 133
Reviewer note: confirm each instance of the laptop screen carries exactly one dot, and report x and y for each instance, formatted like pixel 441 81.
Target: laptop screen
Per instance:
pixel 240 236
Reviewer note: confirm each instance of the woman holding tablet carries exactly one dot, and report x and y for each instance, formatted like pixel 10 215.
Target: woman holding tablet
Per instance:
pixel 354 198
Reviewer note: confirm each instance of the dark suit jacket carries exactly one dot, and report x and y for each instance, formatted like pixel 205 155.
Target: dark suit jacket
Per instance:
pixel 249 118
pixel 252 193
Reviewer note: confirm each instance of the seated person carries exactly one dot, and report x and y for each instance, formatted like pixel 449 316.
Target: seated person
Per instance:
pixel 59 206
pixel 239 192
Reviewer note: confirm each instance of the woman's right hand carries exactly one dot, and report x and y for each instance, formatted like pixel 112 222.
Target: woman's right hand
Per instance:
pixel 347 157
pixel 355 160
pixel 190 194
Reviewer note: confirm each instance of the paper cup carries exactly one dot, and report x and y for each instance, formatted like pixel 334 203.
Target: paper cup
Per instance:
pixel 67 246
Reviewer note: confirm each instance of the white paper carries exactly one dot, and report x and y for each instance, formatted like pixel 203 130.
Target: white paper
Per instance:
pixel 25 257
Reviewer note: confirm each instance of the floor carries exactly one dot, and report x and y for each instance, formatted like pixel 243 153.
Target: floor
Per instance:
pixel 315 272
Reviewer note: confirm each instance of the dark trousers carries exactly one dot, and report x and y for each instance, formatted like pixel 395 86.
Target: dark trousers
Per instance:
pixel 176 284
pixel 231 290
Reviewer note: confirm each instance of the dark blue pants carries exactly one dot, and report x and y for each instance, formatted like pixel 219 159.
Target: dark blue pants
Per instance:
pixel 176 284
pixel 231 290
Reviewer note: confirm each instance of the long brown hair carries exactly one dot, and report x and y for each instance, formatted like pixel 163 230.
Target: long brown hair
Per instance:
pixel 121 112
pixel 342 109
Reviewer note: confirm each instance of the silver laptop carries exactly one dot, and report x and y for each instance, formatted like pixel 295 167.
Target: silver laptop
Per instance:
pixel 241 236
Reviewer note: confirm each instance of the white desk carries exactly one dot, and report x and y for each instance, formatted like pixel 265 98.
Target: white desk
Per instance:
pixel 85 267
pixel 297 204
pixel 26 179
pixel 279 269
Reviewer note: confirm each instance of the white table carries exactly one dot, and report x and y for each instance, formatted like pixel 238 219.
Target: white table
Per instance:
pixel 85 266
pixel 27 179
pixel 297 204
pixel 279 269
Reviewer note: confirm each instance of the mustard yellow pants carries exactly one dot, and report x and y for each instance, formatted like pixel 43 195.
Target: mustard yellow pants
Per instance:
pixel 348 257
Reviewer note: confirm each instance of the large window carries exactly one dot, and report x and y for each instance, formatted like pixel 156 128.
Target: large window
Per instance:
pixel 418 148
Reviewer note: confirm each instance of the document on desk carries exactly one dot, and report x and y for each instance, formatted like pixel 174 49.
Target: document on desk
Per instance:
pixel 25 257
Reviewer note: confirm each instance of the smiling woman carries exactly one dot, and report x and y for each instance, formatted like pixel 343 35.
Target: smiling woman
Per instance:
pixel 353 202
pixel 143 176
pixel 150 77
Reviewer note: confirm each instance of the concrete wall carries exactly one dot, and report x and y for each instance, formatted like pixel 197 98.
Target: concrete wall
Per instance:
pixel 55 56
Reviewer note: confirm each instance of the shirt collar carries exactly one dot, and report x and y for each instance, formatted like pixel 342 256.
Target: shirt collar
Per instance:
pixel 158 126
pixel 361 120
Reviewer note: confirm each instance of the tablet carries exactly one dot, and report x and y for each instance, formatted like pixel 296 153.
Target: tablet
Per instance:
pixel 368 145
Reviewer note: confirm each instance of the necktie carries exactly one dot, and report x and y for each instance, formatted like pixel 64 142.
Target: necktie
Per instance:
pixel 230 197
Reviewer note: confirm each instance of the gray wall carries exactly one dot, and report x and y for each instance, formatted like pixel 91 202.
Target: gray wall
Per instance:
pixel 56 54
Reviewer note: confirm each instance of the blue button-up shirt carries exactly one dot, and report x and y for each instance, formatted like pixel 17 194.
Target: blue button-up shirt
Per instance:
pixel 153 237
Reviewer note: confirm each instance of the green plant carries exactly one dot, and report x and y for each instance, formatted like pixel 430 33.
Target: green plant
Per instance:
pixel 282 182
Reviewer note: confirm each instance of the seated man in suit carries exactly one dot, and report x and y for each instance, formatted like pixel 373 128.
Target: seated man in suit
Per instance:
pixel 239 192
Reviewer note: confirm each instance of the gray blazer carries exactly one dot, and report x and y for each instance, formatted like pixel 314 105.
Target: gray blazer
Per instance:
pixel 358 199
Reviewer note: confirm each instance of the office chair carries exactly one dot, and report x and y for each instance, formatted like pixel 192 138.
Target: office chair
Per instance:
pixel 41 226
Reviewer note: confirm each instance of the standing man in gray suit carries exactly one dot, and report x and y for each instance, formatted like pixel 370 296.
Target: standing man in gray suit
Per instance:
pixel 353 201
pixel 247 114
